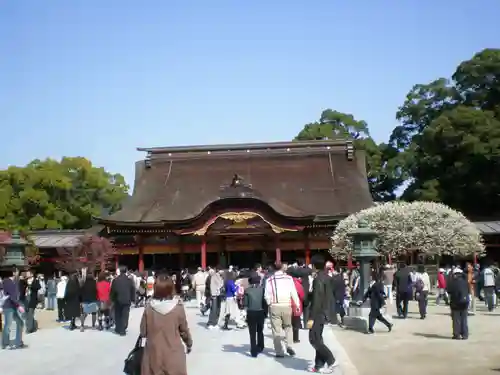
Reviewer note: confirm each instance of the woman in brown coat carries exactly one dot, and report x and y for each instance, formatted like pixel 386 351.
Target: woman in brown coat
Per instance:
pixel 165 327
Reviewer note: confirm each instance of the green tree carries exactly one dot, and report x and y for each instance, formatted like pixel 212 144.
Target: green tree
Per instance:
pixel 384 174
pixel 53 194
pixel 449 137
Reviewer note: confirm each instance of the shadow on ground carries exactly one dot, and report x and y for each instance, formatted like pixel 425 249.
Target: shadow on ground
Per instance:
pixel 202 324
pixel 432 336
pixel 397 317
pixel 293 363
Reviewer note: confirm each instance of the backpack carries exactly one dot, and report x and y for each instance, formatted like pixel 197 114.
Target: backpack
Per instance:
pixel 459 297
pixel 419 285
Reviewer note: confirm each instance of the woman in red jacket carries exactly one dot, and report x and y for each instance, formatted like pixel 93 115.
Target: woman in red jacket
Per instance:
pixel 103 290
pixel 441 286
pixel 297 312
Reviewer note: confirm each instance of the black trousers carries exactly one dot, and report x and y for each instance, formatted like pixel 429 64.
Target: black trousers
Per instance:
pixel 402 299
pixel 305 312
pixel 295 327
pixel 339 308
pixel 255 322
pixel 60 310
pixel 375 315
pixel 460 323
pixel 121 318
pixel 213 317
pixel 323 354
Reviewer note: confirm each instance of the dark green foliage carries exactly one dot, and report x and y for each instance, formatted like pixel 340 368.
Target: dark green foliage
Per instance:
pixel 54 194
pixel 450 134
pixel 446 147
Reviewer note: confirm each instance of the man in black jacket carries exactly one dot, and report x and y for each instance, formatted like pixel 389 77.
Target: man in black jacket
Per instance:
pixel 458 291
pixel 256 306
pixel 122 295
pixel 377 300
pixel 338 286
pixel 320 309
pixel 403 287
pixel 30 287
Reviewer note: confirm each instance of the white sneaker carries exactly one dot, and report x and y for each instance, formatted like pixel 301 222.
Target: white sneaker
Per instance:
pixel 329 369
pixel 324 370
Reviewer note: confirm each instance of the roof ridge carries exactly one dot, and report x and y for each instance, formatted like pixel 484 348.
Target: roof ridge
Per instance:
pixel 245 146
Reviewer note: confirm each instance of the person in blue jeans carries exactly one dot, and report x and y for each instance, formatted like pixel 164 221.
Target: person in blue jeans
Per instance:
pixel 51 293
pixel 12 310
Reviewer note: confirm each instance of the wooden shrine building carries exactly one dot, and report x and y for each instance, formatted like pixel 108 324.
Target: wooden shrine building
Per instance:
pixel 237 204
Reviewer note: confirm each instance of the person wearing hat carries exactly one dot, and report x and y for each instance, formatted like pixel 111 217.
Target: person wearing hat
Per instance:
pixel 458 291
pixel 256 306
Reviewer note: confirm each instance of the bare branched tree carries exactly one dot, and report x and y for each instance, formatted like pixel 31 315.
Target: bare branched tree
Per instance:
pixel 92 252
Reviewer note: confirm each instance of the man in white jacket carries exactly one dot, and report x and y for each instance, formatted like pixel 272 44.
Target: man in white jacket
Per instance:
pixel 198 282
pixel 60 292
pixel 279 292
pixel 422 287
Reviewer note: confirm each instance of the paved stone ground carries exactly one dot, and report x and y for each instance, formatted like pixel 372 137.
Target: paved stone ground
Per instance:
pixel 59 351
pixel 47 319
pixel 417 346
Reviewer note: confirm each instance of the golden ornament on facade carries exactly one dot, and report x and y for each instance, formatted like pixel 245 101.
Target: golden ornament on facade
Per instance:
pixel 239 217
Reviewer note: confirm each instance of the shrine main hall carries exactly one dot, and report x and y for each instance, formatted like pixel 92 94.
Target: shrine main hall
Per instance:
pixel 237 204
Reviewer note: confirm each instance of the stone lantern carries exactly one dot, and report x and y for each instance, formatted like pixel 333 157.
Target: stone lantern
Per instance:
pixel 364 243
pixel 15 251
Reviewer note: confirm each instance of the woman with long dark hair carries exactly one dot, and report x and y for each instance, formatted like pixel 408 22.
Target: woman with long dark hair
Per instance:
pixel 89 301
pixel 72 300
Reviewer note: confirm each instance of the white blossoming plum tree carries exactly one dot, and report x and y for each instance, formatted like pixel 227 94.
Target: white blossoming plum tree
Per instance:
pixel 426 227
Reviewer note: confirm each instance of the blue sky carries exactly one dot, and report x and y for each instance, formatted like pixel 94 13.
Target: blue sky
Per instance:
pixel 99 78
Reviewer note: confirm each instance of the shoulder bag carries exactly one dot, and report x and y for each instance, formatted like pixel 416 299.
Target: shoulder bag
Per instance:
pixel 134 359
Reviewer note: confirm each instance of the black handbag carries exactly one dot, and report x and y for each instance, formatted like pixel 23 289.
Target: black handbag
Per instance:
pixel 134 359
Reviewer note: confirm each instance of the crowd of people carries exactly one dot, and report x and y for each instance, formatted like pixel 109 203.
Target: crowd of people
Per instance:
pixel 291 298
pixel 106 299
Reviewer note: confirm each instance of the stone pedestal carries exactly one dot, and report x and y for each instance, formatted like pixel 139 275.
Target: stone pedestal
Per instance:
pixel 357 320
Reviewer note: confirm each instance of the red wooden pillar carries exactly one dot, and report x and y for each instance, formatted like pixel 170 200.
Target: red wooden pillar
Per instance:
pixel 141 259
pixel 203 252
pixel 307 248
pixel 278 250
pixel 140 253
